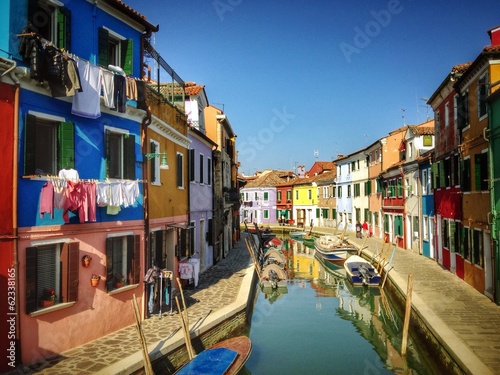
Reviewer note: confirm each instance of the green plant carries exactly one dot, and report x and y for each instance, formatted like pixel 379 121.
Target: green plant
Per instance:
pixel 96 277
pixel 87 258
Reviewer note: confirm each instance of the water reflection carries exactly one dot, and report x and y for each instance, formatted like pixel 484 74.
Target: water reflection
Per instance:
pixel 325 325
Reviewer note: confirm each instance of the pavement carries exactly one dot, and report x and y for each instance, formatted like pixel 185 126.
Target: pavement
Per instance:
pixel 466 323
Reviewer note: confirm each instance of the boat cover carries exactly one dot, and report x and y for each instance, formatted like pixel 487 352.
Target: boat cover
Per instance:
pixel 214 361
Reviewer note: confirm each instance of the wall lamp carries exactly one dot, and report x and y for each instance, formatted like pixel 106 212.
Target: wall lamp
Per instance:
pixel 163 164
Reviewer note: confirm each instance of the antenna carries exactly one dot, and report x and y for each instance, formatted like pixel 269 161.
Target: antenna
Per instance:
pixel 316 153
pixel 403 115
pixel 222 104
pixel 426 108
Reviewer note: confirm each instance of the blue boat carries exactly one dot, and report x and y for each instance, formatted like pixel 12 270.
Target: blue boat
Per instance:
pixel 226 357
pixel 361 272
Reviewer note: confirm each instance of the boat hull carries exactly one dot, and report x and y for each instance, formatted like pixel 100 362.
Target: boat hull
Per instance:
pixel 226 357
pixel 360 272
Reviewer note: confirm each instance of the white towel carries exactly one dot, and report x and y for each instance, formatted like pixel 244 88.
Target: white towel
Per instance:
pixel 108 88
pixel 87 103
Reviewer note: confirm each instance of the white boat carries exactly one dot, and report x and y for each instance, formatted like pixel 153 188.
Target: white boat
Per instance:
pixel 361 272
pixel 333 249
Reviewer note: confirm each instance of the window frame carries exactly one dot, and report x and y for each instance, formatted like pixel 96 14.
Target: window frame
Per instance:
pixel 132 258
pixel 126 153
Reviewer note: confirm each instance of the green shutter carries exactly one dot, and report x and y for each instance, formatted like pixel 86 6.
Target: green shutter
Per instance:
pixel 64 28
pixel 129 157
pixel 134 255
pixel 127 50
pixel 317 213
pixel 29 145
pixel 103 41
pixel 31 277
pixel 66 142
pixel 152 162
pixel 442 176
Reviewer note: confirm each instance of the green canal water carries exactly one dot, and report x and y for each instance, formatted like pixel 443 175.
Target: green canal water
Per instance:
pixel 321 324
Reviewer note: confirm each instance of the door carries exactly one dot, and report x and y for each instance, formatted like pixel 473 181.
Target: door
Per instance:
pixel 488 265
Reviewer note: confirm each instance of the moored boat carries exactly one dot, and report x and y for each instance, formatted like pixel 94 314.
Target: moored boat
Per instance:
pixel 333 249
pixel 297 234
pixel 361 272
pixel 226 357
pixel 273 276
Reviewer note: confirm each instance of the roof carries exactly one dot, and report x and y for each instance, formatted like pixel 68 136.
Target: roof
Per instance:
pixel 132 13
pixel 269 178
pixel 426 128
pixel 192 89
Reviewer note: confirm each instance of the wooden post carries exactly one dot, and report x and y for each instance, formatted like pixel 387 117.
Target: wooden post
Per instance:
pixel 185 330
pixel 385 276
pixel 254 260
pixel 362 245
pixel 148 369
pixel 409 291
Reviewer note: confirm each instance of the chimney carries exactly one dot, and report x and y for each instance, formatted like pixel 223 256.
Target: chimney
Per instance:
pixel 494 36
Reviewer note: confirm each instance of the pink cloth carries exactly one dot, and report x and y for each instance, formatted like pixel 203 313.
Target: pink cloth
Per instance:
pixel 47 200
pixel 75 198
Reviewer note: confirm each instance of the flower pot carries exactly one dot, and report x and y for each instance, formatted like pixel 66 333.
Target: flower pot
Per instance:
pixel 94 282
pixel 85 262
pixel 47 303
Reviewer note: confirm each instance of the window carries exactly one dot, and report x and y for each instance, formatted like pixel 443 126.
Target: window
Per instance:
pixel 180 170
pixel 154 163
pixel 348 190
pixel 122 261
pixel 416 227
pixel 49 144
pixel 398 225
pixel 120 154
pixel 427 140
pixel 375 219
pixel 296 194
pixel 185 241
pixel 481 171
pixel 116 50
pixel 477 247
pixel 255 196
pixel 289 195
pixel 325 192
pixel 357 190
pixel 201 166
pixel 51 268
pixel 400 186
pixel 51 22
pixel 445 234
pixel 482 93
pixel 192 162
pixel 278 196
pixel 455 180
pixel 425 228
pixel 266 214
pixel 425 184
pixel 209 171
pixel 466 175
pixel 446 173
pixel 158 248
pixel 309 194
pixel 463 111
pixel 266 196
pixel 447 114
pixel 466 243
pixel 358 214
pixel 339 191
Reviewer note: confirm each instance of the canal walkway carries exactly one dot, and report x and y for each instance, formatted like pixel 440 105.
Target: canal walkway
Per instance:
pixel 463 320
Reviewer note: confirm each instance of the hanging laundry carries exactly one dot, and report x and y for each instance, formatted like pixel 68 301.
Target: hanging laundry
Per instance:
pixel 130 193
pixel 47 200
pixel 131 89
pixel 88 103
pixel 120 93
pixel 90 201
pixel 141 95
pixel 108 88
pixel 69 174
pixel 102 193
pixel 75 197
pixel 59 192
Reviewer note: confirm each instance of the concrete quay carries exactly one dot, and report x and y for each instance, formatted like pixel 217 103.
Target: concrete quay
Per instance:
pixel 463 321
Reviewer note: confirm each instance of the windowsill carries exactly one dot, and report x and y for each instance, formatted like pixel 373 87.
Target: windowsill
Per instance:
pixel 122 289
pixel 50 309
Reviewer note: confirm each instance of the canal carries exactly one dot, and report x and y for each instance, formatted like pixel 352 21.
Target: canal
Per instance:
pixel 321 324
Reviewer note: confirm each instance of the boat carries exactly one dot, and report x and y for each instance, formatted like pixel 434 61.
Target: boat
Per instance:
pixel 308 240
pixel 273 276
pixel 226 357
pixel 333 249
pixel 297 234
pixel 361 272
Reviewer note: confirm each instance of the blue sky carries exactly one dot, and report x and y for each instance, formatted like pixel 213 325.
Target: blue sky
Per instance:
pixel 302 81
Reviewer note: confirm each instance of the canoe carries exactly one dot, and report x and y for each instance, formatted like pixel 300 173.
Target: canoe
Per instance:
pixel 226 357
pixel 361 272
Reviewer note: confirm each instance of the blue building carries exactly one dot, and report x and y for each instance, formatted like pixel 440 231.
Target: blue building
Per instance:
pixel 427 204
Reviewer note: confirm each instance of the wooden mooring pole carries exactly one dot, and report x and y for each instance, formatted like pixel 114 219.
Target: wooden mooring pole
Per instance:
pixel 409 291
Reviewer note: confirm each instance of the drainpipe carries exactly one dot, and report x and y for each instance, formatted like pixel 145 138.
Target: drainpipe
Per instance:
pixel 15 73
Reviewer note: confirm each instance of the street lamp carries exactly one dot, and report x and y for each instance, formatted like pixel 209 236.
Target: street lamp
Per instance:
pixel 164 163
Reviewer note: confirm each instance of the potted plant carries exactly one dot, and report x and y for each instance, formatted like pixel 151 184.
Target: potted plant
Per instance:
pixel 48 297
pixel 86 260
pixel 94 280
pixel 121 281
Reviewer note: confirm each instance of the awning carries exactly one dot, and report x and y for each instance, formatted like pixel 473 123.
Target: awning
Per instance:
pixel 180 226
